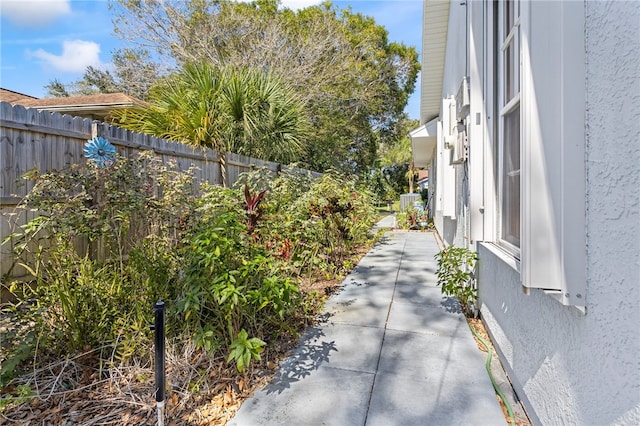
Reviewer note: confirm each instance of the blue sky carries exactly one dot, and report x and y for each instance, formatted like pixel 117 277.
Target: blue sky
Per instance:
pixel 46 39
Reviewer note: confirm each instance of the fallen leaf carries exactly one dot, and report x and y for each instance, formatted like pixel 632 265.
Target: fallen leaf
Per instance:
pixel 227 396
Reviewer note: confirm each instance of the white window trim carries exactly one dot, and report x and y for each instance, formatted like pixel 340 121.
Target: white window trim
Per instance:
pixel 448 181
pixel 513 103
pixel 552 255
pixel 553 240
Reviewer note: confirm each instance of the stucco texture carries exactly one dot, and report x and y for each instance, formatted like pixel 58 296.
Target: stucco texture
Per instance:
pixel 572 367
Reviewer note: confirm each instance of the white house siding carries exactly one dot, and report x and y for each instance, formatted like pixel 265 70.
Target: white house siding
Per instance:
pixel 452 228
pixel 568 366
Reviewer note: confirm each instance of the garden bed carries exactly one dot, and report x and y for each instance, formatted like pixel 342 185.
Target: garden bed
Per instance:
pixel 243 272
pixel 76 391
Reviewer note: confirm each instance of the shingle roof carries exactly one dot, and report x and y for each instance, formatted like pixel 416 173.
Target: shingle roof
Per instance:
pixel 12 97
pixel 95 107
pixel 102 99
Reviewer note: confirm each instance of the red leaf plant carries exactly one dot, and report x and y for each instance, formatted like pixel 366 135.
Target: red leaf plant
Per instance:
pixel 253 210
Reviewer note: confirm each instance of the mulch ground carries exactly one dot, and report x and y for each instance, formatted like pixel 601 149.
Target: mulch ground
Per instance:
pixel 200 390
pixel 478 326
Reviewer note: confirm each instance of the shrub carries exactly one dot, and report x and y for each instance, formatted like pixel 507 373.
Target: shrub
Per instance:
pixel 110 241
pixel 327 221
pixel 101 250
pixel 455 275
pixel 232 283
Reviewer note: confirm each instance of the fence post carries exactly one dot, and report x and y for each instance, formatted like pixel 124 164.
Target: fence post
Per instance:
pixel 97 129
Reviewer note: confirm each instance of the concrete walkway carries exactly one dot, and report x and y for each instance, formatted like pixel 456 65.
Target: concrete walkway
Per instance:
pixel 391 350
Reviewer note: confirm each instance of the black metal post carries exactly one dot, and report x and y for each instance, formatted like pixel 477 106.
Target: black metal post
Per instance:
pixel 158 327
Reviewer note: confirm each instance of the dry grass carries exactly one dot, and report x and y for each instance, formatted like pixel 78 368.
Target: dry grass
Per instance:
pixel 201 389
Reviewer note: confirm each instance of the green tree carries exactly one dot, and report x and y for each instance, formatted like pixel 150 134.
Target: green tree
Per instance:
pixel 56 89
pixel 354 81
pixel 96 81
pixel 227 108
pixel 396 157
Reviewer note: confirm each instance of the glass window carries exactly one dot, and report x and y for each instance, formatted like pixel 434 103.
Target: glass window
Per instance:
pixel 509 140
pixel 511 178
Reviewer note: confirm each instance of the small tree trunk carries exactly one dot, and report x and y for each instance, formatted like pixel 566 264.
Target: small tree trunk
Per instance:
pixel 411 173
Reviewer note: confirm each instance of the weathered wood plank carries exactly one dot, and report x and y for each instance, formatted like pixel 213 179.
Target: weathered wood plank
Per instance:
pixel 6 153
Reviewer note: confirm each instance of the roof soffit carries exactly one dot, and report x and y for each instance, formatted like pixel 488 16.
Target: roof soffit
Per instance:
pixel 434 43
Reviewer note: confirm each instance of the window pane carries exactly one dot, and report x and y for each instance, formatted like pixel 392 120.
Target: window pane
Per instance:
pixel 509 82
pixel 509 13
pixel 511 178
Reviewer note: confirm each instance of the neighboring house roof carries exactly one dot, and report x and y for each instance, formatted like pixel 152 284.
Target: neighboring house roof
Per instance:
pixel 97 107
pixel 12 97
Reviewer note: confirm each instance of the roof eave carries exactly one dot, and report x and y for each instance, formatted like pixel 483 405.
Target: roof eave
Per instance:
pixel 434 44
pixel 423 143
pixel 80 107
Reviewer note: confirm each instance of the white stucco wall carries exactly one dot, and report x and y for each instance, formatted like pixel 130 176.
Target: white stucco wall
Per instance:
pixel 570 367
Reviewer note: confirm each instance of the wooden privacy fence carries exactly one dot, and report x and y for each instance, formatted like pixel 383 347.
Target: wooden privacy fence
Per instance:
pixel 32 139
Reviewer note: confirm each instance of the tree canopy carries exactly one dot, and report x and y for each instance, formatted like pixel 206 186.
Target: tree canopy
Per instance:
pixel 247 111
pixel 133 73
pixel 354 82
pixel 396 159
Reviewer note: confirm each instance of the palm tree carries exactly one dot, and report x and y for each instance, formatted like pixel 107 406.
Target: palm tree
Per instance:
pixel 400 153
pixel 243 110
pixel 268 117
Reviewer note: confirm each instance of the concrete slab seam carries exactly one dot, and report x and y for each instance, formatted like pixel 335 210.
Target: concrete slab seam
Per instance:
pixel 384 333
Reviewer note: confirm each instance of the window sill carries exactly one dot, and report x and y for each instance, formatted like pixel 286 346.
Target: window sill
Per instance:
pixel 514 263
pixel 508 258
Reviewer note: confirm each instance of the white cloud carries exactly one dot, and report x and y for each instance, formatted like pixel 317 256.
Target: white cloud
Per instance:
pixel 76 56
pixel 34 13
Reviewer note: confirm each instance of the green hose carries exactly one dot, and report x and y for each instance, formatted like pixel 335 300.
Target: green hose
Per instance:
pixel 493 381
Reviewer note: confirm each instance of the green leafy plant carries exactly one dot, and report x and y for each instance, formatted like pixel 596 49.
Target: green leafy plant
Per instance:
pixel 19 337
pixel 455 275
pixel 244 349
pixel 22 394
pixel 110 241
pixel 407 219
pixel 338 216
pixel 412 219
pixel 102 250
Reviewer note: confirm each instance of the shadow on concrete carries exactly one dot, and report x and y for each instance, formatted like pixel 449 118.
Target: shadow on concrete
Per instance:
pixel 309 355
pixel 451 305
